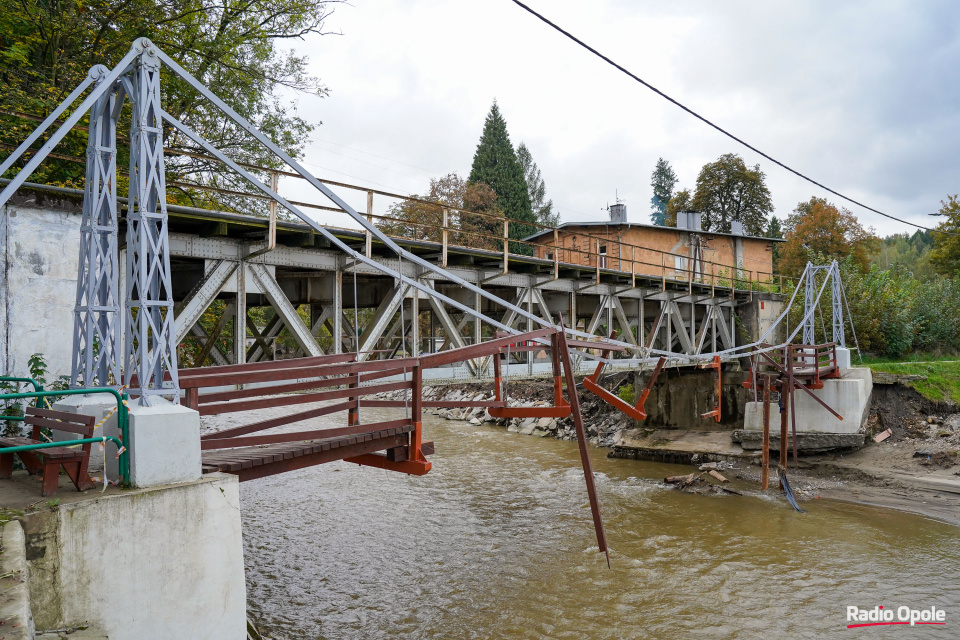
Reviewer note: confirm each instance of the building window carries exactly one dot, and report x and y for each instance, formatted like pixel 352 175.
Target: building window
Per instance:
pixel 603 256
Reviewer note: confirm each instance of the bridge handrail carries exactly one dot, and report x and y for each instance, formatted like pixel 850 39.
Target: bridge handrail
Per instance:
pixel 122 422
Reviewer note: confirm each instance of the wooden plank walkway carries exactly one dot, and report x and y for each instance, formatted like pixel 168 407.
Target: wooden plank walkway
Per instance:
pixel 250 463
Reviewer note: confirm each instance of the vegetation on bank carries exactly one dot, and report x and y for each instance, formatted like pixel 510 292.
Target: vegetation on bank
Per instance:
pixel 939 381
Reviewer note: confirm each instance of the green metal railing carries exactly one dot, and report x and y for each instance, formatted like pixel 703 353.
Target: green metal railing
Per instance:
pixel 36 387
pixel 122 422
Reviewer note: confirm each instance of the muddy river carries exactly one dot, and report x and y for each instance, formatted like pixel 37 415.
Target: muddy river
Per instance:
pixel 497 542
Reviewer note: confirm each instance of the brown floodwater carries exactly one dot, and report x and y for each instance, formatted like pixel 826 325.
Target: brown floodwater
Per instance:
pixel 497 542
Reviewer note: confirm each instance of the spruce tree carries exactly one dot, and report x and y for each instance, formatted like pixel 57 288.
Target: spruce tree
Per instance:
pixel 663 181
pixel 495 163
pixel 542 208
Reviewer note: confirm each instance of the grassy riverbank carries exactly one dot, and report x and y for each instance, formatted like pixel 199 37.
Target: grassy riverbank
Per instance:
pixel 937 380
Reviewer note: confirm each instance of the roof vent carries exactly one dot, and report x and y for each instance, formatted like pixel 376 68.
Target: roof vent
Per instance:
pixel 618 213
pixel 688 220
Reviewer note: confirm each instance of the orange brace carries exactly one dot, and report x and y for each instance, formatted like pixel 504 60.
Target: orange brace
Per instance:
pixel 636 412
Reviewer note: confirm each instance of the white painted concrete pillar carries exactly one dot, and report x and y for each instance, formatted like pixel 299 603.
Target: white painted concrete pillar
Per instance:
pixel 164 444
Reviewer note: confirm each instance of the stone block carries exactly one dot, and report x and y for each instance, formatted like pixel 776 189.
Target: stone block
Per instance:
pixel 164 444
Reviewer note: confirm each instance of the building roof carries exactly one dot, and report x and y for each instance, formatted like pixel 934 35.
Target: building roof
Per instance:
pixel 627 225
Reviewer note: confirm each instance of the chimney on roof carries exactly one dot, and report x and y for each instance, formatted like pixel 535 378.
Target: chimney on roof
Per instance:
pixel 689 220
pixel 618 213
pixel 736 227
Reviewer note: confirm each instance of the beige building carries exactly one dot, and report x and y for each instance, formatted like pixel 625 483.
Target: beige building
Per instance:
pixel 654 250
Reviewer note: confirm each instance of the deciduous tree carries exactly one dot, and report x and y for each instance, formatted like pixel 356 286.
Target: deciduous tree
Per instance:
pixel 662 181
pixel 729 190
pixel 818 229
pixel 681 201
pixel 946 247
pixel 473 214
pixel 232 46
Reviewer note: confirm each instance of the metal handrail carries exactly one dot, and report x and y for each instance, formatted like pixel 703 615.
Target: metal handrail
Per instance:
pixel 122 422
pixel 36 387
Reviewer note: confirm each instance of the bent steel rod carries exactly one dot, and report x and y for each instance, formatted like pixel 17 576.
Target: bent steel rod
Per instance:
pixel 582 441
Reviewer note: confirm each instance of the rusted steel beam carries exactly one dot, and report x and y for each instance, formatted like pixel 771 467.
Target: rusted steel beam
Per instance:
pixel 411 467
pixel 278 422
pixel 636 411
pixel 765 469
pixel 299 398
pixel 256 392
pixel 291 373
pixel 483 349
pixel 439 404
pixel 582 441
pixel 300 436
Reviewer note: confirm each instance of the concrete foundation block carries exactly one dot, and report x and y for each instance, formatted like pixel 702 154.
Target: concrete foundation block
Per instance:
pixel 97 405
pixel 164 444
pixel 162 563
pixel 848 395
pixel 843 358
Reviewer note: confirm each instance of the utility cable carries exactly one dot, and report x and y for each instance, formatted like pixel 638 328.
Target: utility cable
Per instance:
pixel 718 127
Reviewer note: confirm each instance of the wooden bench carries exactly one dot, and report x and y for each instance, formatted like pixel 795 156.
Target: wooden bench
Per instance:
pixel 48 461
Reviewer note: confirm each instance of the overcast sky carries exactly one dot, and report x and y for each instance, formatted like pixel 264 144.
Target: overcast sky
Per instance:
pixel 862 96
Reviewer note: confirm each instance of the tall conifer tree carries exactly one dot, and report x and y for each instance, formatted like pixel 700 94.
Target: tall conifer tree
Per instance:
pixel 495 163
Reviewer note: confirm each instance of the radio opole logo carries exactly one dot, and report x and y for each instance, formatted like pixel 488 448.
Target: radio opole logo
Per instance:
pixel 878 616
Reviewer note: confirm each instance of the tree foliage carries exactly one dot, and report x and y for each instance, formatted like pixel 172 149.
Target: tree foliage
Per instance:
pixel 729 190
pixel 423 220
pixel 662 181
pixel 232 46
pixel 911 252
pixel 817 228
pixel 542 207
pixel 495 163
pixel 946 247
pixel 681 201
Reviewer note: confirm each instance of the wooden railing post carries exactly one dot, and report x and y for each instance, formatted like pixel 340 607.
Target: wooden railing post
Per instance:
pixel 443 258
pixel 633 267
pixel 368 243
pixel 556 254
pixel 597 246
pixel 506 245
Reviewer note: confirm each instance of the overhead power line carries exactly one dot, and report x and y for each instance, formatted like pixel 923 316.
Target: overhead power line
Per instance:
pixel 718 127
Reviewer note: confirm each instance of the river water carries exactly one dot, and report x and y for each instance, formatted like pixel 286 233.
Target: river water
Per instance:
pixel 497 542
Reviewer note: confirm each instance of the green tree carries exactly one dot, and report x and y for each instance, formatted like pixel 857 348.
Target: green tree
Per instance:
pixel 495 163
pixel 663 181
pixel 729 190
pixel 541 207
pixel 946 245
pixel 232 46
pixel 775 231
pixel 681 201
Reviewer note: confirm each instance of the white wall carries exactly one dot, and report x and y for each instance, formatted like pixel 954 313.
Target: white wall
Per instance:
pixel 152 564
pixel 39 253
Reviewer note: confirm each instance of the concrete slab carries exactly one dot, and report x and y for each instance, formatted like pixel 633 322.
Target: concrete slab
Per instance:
pixel 15 614
pixel 678 445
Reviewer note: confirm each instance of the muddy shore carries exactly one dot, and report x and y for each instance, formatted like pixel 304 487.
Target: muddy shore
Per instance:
pixel 916 469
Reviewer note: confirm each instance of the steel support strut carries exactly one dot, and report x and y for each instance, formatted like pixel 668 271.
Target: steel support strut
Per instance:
pixel 150 351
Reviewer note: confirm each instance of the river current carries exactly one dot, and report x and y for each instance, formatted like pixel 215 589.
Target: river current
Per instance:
pixel 497 542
